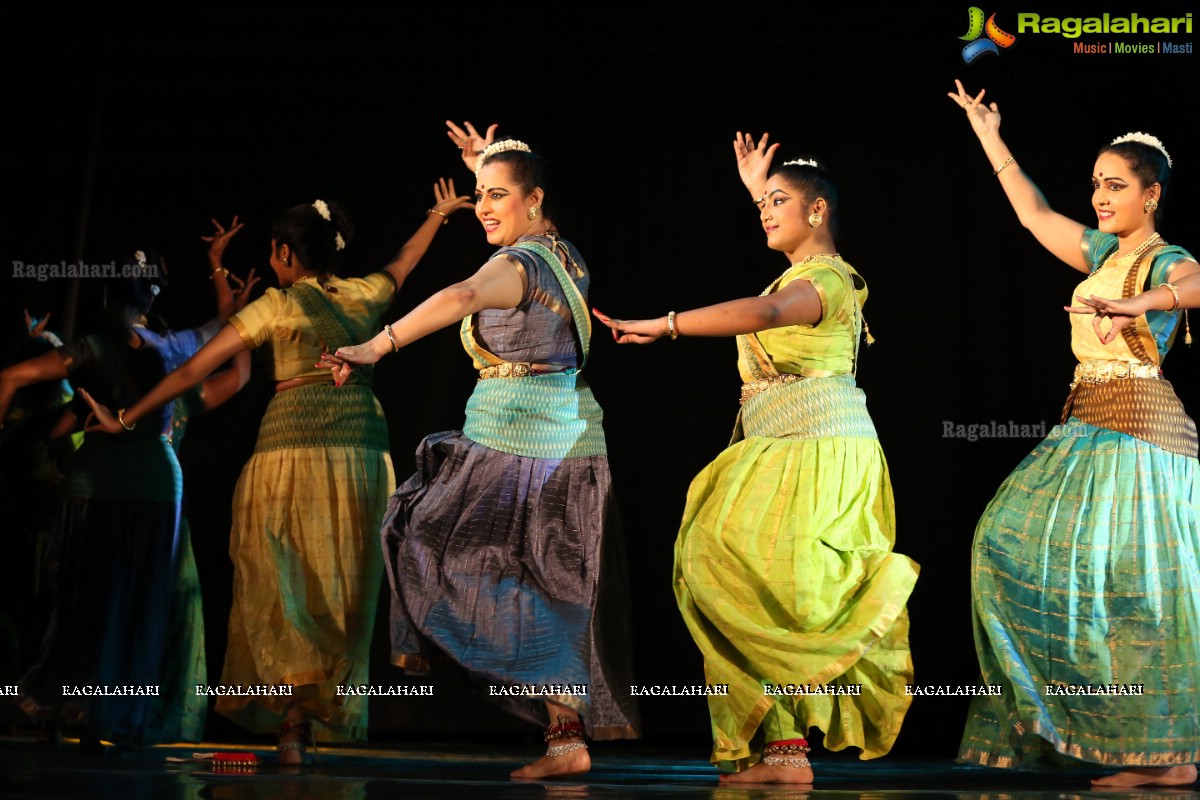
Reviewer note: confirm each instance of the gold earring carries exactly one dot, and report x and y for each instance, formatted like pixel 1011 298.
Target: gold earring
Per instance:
pixel 814 220
pixel 1150 206
pixel 533 212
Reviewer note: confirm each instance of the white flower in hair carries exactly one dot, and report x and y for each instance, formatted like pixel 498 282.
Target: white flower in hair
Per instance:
pixel 323 209
pixel 1146 139
pixel 339 242
pixel 801 162
pixel 140 258
pixel 499 147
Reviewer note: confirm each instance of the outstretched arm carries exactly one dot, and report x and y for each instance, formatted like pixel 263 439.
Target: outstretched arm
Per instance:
pixel 1185 278
pixel 497 284
pixel 223 385
pixel 445 204
pixel 1058 234
pixel 796 304
pixel 225 345
pixel 47 366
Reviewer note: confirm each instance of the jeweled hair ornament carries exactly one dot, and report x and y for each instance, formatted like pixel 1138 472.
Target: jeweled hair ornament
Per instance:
pixel 501 146
pixel 1146 139
pixel 801 162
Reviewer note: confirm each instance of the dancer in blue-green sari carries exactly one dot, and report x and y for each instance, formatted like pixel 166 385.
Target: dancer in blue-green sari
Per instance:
pixel 1086 591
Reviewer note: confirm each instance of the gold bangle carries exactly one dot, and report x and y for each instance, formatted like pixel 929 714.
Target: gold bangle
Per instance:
pixel 998 169
pixel 671 326
pixel 445 216
pixel 1174 293
pixel 121 419
pixel 221 270
pixel 388 330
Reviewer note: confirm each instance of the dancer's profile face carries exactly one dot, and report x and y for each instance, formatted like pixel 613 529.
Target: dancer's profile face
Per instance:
pixel 1118 196
pixel 784 212
pixel 502 206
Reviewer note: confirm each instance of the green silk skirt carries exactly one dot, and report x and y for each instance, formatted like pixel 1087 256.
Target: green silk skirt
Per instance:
pixel 784 574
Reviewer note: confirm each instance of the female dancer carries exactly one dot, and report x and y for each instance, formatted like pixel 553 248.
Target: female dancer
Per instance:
pixel 496 549
pixel 307 504
pixel 784 569
pixel 1084 574
pixel 115 539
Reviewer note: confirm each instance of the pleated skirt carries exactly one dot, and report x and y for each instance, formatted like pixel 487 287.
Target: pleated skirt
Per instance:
pixel 510 566
pixel 1084 574
pixel 784 574
pixel 307 566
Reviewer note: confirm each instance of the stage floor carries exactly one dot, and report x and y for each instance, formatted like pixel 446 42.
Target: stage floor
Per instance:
pixel 38 771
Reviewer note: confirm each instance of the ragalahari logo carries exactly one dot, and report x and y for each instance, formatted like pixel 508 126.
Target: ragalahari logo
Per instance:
pixel 976 27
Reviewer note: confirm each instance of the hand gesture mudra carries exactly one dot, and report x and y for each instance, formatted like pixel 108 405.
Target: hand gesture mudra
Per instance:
pixel 469 141
pixel 984 118
pixel 100 420
pixel 35 327
pixel 1123 312
pixel 343 362
pixel 220 238
pixel 753 161
pixel 241 289
pixel 446 201
pixel 633 331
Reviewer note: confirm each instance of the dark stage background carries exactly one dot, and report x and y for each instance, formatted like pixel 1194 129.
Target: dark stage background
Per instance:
pixel 153 123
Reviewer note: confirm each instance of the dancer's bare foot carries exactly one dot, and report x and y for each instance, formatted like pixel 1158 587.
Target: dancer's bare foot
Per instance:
pixel 294 735
pixel 1150 776
pixel 576 762
pixel 770 773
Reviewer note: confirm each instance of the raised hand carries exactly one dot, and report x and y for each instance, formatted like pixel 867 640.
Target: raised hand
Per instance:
pixel 1123 312
pixel 633 331
pixel 445 200
pixel 241 289
pixel 469 141
pixel 219 239
pixel 984 118
pixel 753 161
pixel 101 420
pixel 36 327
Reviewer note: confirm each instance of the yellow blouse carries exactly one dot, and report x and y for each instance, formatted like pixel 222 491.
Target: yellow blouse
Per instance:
pixel 1109 281
pixel 277 318
pixel 826 348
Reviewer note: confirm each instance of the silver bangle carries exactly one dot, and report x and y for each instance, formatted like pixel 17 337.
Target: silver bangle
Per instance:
pixel 671 326
pixel 388 330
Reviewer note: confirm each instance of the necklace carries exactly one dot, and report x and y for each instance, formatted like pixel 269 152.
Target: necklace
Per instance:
pixel 1149 242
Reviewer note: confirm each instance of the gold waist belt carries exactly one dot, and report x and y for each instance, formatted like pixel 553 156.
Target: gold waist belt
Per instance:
pixel 1096 371
pixel 756 387
pixel 514 369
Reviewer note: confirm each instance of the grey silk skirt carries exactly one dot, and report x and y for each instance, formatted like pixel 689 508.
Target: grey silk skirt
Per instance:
pixel 512 567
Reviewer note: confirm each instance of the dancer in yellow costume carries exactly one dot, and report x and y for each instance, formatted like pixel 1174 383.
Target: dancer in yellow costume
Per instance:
pixel 308 504
pixel 784 569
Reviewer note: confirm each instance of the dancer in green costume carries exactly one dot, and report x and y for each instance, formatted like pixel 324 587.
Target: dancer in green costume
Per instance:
pixel 784 569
